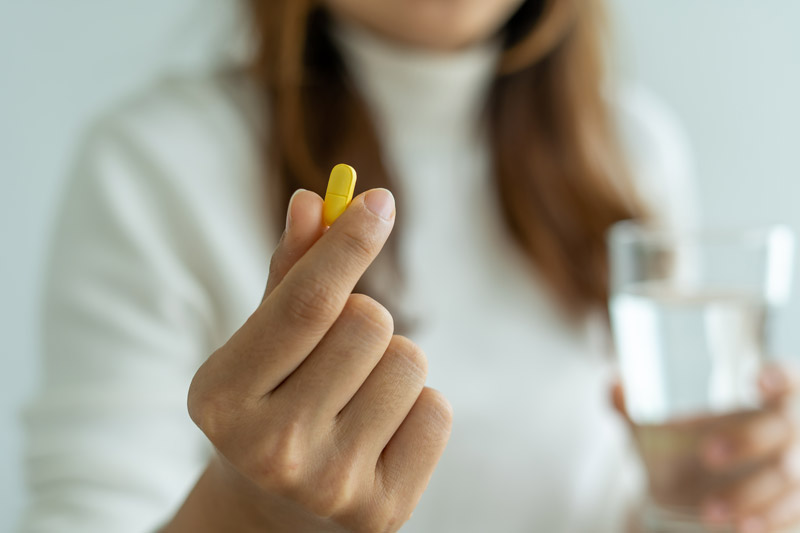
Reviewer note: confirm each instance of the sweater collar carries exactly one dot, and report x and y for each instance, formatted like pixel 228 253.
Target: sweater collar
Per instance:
pixel 439 92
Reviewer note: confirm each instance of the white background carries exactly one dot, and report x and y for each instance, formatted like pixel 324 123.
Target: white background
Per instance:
pixel 729 68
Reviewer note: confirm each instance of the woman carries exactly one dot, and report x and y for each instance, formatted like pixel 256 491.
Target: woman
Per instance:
pixel 509 155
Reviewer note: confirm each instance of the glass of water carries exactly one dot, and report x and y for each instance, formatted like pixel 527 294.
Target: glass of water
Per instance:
pixel 689 314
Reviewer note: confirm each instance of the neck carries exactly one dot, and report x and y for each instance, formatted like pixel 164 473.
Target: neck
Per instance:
pixel 402 41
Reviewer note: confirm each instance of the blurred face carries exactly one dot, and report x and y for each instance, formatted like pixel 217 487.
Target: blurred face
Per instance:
pixel 435 24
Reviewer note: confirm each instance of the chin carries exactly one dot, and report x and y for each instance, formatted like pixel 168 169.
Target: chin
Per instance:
pixel 447 24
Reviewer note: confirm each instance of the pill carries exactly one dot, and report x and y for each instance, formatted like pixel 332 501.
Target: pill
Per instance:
pixel 341 185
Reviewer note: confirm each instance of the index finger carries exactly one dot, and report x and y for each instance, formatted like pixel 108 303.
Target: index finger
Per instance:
pixel 747 438
pixel 305 304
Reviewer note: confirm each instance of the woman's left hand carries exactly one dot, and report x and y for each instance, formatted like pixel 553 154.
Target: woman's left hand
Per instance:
pixel 767 498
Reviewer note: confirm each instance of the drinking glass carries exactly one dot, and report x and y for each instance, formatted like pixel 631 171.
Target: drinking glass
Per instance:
pixel 689 315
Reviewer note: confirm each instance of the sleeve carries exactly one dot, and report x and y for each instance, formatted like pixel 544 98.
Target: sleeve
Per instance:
pixel 126 322
pixel 659 156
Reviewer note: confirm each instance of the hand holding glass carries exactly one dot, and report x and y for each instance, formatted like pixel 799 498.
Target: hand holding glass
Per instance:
pixel 689 314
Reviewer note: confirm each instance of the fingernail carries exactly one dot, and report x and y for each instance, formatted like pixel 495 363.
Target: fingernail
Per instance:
pixel 380 202
pixel 289 209
pixel 752 524
pixel 716 511
pixel 717 451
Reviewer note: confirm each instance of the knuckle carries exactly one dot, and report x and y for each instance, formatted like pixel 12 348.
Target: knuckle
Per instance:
pixel 205 412
pixel 370 316
pixel 371 523
pixel 396 520
pixel 280 461
pixel 409 356
pixel 336 490
pixel 356 243
pixel 311 301
pixel 388 517
pixel 209 407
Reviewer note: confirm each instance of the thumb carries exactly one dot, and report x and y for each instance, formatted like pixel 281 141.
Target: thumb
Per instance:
pixel 303 228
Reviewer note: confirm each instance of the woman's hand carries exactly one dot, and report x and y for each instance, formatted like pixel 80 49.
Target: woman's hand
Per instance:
pixel 765 446
pixel 318 412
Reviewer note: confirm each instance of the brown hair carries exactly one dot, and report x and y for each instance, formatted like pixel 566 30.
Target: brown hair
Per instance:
pixel 556 157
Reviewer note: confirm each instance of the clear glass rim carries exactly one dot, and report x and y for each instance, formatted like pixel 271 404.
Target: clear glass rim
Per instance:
pixel 630 231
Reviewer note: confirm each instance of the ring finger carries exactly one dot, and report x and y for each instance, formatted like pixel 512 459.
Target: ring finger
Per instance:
pixel 386 397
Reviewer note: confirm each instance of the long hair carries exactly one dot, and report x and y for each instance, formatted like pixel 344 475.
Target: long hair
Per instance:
pixel 558 166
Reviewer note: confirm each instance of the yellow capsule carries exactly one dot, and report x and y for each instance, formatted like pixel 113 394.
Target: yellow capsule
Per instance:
pixel 341 185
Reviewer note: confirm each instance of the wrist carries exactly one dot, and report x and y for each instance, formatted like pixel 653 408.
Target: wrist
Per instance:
pixel 216 504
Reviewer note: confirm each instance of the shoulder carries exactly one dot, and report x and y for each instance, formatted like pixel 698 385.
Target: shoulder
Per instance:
pixel 183 128
pixel 169 190
pixel 658 153
pixel 180 101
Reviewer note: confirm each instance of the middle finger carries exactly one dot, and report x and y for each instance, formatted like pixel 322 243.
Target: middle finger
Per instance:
pixel 747 439
pixel 333 372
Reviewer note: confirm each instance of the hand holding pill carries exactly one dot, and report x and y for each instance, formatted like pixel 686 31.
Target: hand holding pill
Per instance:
pixel 319 414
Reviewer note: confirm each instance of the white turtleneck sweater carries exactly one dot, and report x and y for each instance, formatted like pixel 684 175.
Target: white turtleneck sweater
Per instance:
pixel 162 250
